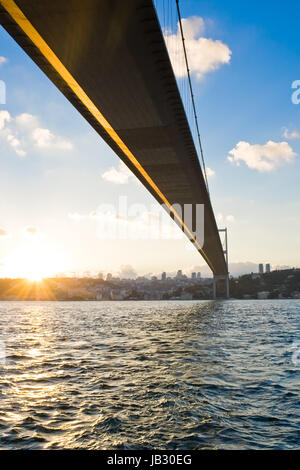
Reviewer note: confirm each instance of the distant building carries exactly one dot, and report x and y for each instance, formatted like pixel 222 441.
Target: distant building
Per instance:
pixel 100 276
pixel 268 268
pixel 261 268
pixel 164 276
pixel 153 278
pixel 109 277
pixel 198 275
pixel 193 275
pixel 179 274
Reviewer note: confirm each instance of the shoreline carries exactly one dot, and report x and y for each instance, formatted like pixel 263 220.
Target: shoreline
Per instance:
pixel 140 300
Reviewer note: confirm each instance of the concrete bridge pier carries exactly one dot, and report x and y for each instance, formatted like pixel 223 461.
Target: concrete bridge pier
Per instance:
pixel 225 285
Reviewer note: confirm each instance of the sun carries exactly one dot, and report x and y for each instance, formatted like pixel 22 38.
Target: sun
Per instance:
pixel 34 261
pixel 35 264
pixel 34 277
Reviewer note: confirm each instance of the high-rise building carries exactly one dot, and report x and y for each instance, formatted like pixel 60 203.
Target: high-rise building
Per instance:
pixel 164 276
pixel 261 268
pixel 268 268
pixel 193 275
pixel 198 275
pixel 100 276
pixel 109 277
pixel 179 273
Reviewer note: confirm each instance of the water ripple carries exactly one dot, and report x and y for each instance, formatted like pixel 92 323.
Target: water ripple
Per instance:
pixel 149 375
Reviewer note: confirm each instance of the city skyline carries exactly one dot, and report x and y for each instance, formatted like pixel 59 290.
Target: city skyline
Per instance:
pixel 56 172
pixel 129 272
pixel 282 284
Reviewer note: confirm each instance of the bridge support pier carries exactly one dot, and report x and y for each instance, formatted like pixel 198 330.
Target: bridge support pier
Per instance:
pixel 222 278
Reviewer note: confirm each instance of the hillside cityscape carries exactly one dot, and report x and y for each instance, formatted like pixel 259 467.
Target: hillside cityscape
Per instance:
pixel 277 284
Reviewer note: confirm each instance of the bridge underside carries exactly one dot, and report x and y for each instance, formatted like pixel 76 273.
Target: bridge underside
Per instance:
pixel 108 57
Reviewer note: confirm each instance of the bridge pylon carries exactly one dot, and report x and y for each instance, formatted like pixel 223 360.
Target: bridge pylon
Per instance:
pixel 216 279
pixel 222 277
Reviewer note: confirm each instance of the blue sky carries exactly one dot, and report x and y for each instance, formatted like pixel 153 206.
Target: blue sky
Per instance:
pixel 59 182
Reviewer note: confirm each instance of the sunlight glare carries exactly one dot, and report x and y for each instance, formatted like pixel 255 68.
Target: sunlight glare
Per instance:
pixel 34 261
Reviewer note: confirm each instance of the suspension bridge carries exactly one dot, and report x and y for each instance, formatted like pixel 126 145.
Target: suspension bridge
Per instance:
pixel 110 60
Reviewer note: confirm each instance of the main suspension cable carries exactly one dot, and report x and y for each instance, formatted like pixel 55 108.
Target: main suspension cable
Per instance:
pixel 192 94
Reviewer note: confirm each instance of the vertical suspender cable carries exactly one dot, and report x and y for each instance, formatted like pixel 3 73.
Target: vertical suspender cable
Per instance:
pixel 192 94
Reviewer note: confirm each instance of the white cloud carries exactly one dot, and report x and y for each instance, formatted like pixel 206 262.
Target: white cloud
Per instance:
pixel 44 138
pixel 192 27
pixel 219 218
pixel 32 232
pixel 16 145
pixel 3 233
pixel 2 60
pixel 26 120
pixel 76 216
pixel 27 126
pixel 9 135
pixel 204 55
pixel 119 175
pixel 262 158
pixel 79 217
pixel 225 218
pixel 210 173
pixel 290 134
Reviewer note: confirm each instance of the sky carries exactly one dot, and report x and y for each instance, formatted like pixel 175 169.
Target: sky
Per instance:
pixel 57 175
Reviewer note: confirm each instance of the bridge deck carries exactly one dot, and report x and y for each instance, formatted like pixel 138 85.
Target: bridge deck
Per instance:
pixel 108 57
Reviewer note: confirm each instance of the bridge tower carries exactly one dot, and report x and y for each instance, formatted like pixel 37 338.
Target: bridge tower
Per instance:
pixel 222 277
